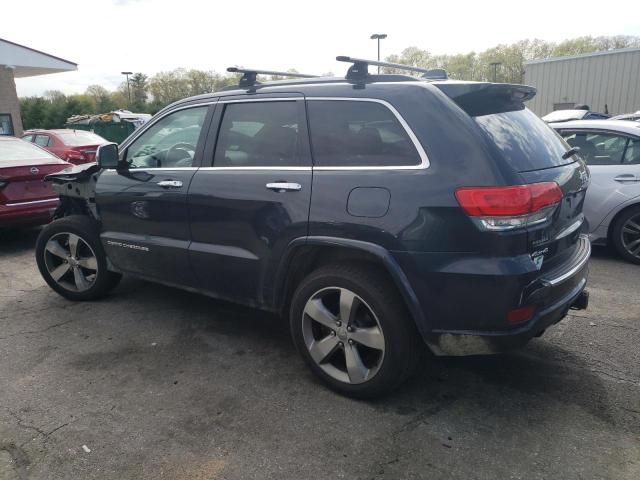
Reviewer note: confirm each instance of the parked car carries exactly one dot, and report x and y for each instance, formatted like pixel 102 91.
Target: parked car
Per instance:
pixel 635 117
pixel 611 148
pixel 75 146
pixel 373 211
pixel 577 114
pixel 25 198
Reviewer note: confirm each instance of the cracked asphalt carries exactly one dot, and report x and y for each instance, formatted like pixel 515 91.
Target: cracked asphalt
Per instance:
pixel 158 383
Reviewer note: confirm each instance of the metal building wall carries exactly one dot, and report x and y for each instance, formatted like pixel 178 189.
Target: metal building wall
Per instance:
pixel 611 78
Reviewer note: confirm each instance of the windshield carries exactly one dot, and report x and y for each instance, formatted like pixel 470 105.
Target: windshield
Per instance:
pixel 80 137
pixel 11 150
pixel 524 140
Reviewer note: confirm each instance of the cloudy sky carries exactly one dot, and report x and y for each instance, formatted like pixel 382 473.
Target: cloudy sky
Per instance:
pixel 106 37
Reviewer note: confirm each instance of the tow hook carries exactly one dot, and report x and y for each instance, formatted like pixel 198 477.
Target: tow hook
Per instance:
pixel 582 302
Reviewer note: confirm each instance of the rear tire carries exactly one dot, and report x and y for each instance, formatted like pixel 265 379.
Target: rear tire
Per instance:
pixel 366 355
pixel 625 234
pixel 72 261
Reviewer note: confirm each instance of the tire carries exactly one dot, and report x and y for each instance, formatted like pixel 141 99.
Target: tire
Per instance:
pixel 625 234
pixel 376 304
pixel 80 277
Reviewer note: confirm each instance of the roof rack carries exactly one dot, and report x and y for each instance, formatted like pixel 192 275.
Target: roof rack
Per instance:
pixel 360 69
pixel 249 75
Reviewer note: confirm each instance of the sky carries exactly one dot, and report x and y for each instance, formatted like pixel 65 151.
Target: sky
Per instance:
pixel 106 37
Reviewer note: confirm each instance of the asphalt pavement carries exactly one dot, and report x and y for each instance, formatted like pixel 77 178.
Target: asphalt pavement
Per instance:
pixel 157 383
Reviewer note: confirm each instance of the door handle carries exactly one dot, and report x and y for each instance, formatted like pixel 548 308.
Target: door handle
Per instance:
pixel 170 184
pixel 281 187
pixel 626 178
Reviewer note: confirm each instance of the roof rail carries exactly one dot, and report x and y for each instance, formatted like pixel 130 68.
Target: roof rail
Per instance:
pixel 360 69
pixel 249 75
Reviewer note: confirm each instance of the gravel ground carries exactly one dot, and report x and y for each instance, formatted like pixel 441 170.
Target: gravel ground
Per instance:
pixel 158 383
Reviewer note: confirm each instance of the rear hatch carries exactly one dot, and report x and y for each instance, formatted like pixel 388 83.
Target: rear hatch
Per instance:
pixel 538 155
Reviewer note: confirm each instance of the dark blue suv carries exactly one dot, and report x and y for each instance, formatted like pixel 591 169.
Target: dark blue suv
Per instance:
pixel 375 212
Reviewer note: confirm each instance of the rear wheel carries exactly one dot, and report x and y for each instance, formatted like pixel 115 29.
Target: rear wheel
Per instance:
pixel 72 261
pixel 625 234
pixel 353 330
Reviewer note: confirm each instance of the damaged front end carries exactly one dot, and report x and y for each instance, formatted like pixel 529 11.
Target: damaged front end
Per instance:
pixel 77 189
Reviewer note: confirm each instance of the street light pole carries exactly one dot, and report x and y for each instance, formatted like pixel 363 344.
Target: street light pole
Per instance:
pixel 378 37
pixel 495 70
pixel 128 89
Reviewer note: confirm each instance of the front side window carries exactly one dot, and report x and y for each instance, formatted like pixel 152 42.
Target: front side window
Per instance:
pixel 42 140
pixel 347 133
pixel 598 148
pixel 259 134
pixel 170 142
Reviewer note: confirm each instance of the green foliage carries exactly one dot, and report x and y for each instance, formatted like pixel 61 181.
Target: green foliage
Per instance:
pixel 150 94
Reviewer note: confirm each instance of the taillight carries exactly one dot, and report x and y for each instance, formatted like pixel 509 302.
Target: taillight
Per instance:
pixel 520 314
pixel 506 208
pixel 73 155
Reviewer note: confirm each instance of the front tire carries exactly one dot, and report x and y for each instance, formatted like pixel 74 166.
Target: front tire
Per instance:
pixel 353 330
pixel 625 234
pixel 72 261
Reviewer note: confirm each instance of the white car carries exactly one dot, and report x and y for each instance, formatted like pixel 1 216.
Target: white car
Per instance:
pixel 611 148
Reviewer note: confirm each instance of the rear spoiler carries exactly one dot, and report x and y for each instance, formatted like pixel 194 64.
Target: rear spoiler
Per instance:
pixel 479 99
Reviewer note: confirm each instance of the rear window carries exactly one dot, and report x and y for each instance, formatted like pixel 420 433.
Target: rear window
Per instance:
pixel 21 150
pixel 81 138
pixel 525 141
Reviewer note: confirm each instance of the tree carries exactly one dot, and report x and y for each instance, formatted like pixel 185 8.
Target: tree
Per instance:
pixel 139 86
pixel 101 98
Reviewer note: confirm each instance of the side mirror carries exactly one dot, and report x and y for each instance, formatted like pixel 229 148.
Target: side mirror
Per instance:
pixel 107 155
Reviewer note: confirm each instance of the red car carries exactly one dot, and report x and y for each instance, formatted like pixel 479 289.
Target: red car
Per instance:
pixel 75 146
pixel 25 198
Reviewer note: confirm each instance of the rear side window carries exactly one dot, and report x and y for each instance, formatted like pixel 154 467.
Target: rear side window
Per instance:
pixel 42 140
pixel 347 133
pixel 259 134
pixel 632 154
pixel 525 141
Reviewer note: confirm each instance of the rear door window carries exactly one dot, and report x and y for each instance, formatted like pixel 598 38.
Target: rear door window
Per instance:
pixel 42 140
pixel 525 141
pixel 259 134
pixel 347 133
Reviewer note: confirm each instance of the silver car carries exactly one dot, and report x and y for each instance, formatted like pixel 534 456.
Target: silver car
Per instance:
pixel 611 148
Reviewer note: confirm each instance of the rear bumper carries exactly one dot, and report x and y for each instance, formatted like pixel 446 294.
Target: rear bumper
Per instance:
pixel 472 306
pixel 27 213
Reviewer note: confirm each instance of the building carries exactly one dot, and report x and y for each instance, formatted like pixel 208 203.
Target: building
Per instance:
pixel 18 61
pixel 605 81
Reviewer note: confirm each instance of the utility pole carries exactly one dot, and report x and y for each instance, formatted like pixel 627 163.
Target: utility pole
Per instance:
pixel 128 88
pixel 378 37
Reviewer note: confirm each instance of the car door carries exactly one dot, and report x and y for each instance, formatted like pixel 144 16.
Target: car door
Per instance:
pixel 614 162
pixel 253 198
pixel 143 205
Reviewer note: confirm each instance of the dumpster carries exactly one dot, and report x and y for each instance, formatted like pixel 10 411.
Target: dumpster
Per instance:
pixel 113 126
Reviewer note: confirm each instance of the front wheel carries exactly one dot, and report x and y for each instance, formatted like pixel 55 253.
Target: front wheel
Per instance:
pixel 72 261
pixel 353 330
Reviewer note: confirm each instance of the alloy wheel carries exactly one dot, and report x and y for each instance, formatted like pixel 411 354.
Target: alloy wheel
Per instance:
pixel 631 236
pixel 71 262
pixel 343 335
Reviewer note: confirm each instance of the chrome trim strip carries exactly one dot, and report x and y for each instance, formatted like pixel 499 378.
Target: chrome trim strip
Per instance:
pixel 571 228
pixel 293 169
pixel 555 281
pixel 32 202
pixel 155 169
pixel 270 99
pixel 424 159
